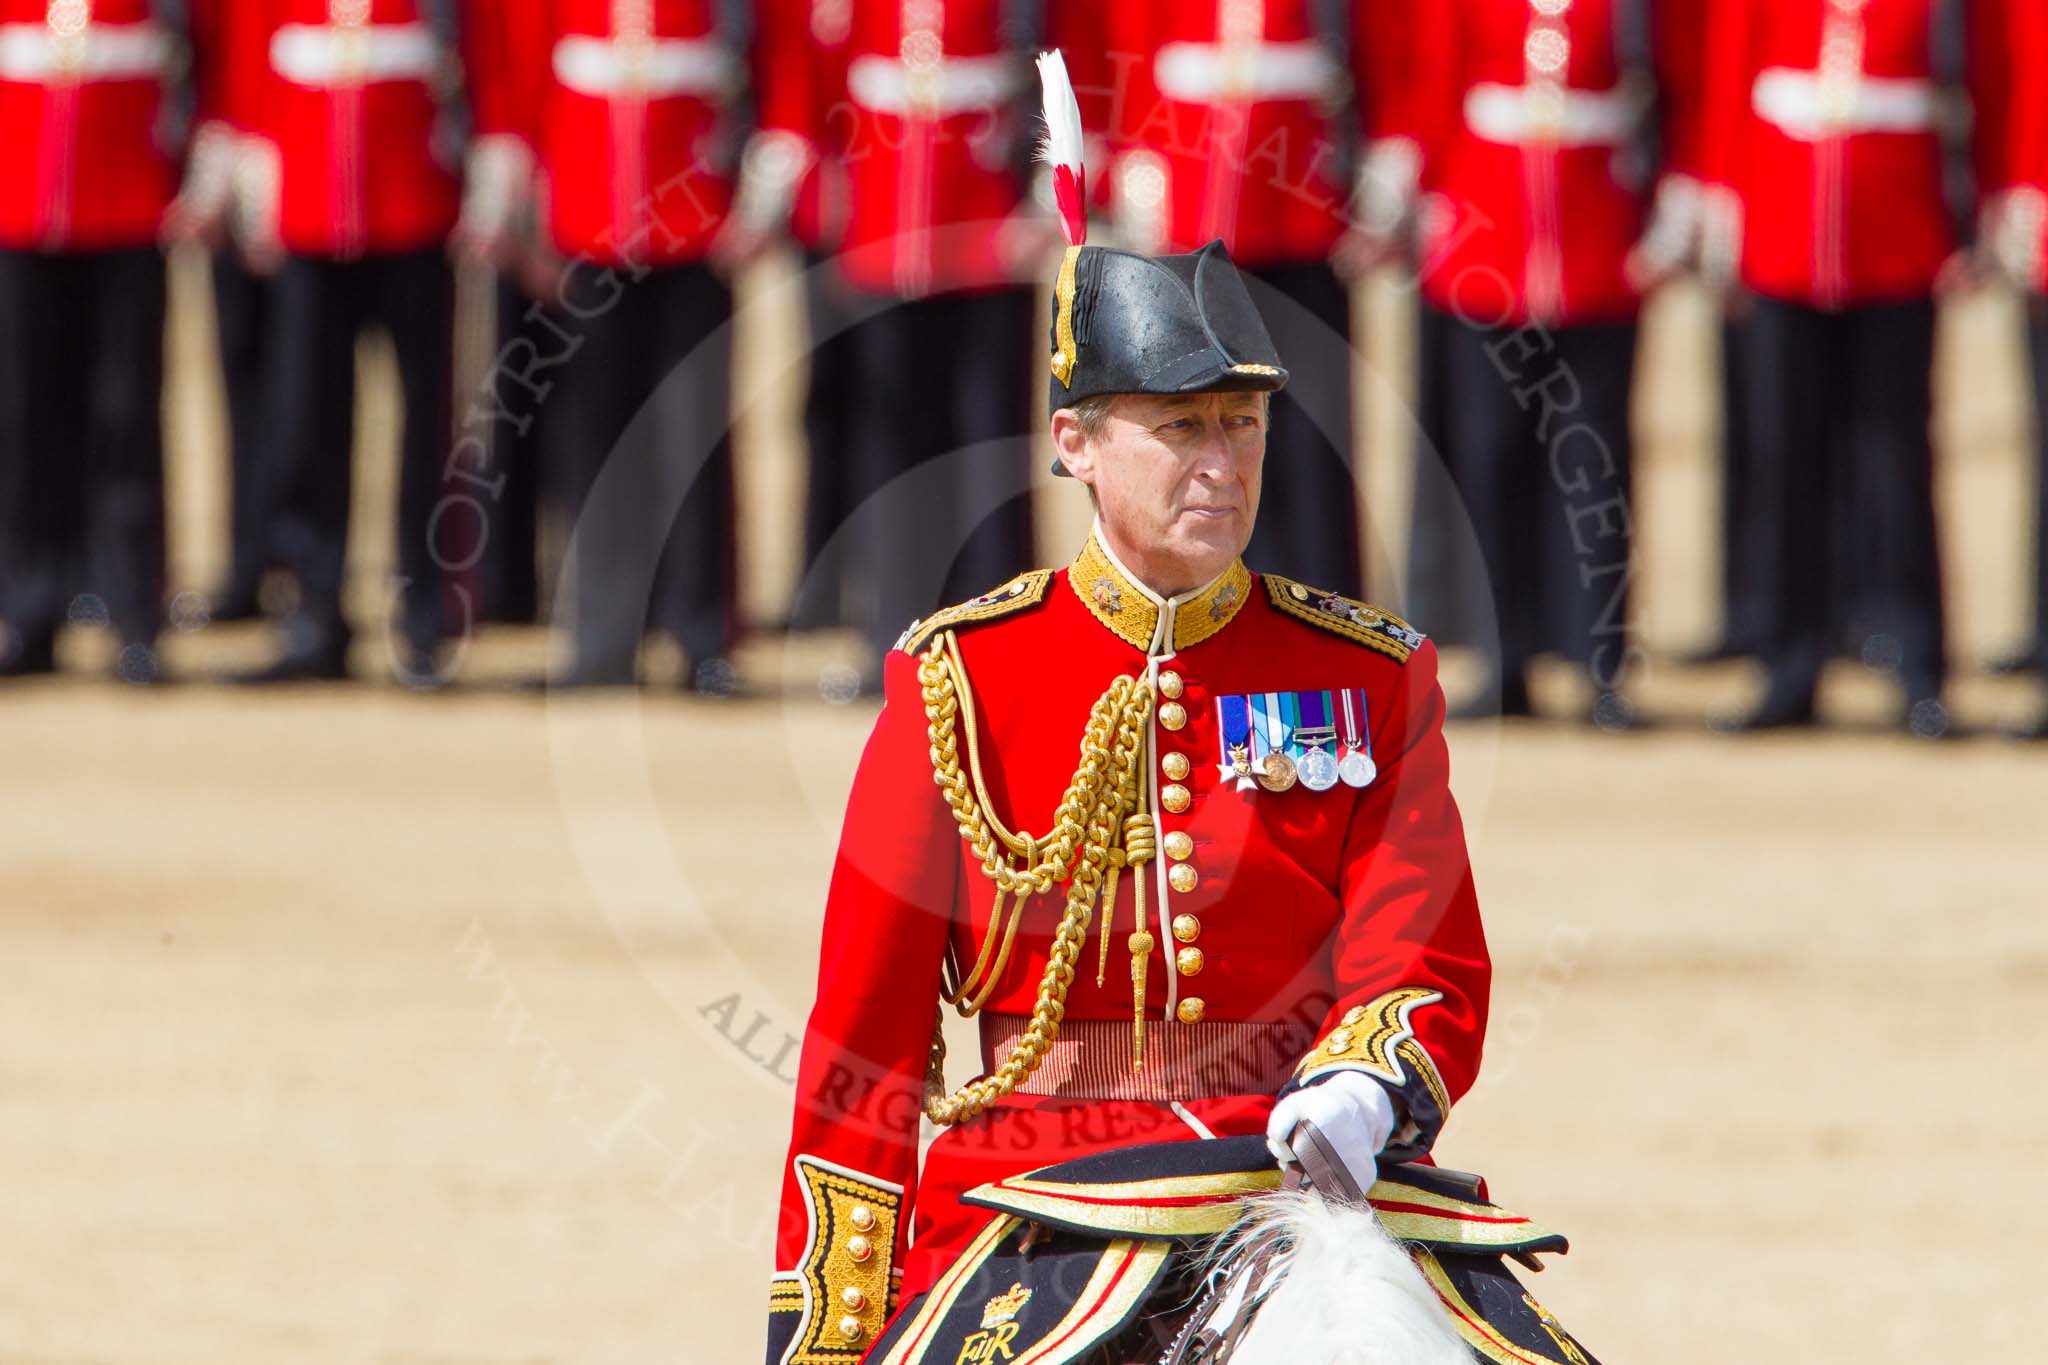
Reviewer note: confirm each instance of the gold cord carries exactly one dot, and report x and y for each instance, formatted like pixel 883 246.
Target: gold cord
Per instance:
pixel 1081 850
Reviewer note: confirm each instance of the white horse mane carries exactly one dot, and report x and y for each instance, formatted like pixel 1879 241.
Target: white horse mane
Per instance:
pixel 1350 1294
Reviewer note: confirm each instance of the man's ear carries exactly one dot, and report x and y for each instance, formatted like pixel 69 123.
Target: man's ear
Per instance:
pixel 1070 443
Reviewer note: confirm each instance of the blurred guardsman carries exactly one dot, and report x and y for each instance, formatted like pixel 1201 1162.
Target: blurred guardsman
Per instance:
pixel 931 127
pixel 638 127
pixel 802 47
pixel 1245 742
pixel 351 117
pixel 1233 121
pixel 1681 42
pixel 2017 236
pixel 1535 172
pixel 89 153
pixel 1841 197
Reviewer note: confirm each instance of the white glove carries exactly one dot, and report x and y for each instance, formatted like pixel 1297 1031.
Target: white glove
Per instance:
pixel 1353 1113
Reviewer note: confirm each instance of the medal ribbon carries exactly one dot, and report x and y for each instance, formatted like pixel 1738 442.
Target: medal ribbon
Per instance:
pixel 1279 734
pixel 1234 725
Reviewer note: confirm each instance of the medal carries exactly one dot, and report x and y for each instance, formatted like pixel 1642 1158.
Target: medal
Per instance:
pixel 1356 768
pixel 1277 774
pixel 1233 725
pixel 1316 765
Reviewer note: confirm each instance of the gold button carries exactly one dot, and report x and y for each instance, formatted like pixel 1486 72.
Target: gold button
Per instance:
pixel 1190 1011
pixel 1179 845
pixel 853 1299
pixel 1186 928
pixel 1175 798
pixel 1173 715
pixel 862 1217
pixel 1182 877
pixel 1353 1015
pixel 1190 961
pixel 860 1248
pixel 1175 766
pixel 1169 684
pixel 1300 593
pixel 1340 1040
pixel 849 1327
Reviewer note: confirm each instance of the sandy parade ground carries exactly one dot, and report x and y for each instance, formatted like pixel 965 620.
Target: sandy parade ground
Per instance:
pixel 353 1025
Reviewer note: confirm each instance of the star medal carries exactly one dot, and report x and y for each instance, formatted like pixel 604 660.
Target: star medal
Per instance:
pixel 1233 722
pixel 1317 766
pixel 1356 768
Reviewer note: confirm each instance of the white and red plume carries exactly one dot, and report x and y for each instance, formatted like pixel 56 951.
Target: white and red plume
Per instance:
pixel 1061 148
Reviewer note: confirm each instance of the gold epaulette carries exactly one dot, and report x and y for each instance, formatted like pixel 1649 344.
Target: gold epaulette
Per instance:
pixel 1340 615
pixel 1025 590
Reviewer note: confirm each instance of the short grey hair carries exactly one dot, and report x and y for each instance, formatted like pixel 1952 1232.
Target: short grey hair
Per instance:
pixel 1093 411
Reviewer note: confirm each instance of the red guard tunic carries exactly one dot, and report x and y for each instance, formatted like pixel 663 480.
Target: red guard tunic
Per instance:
pixel 348 94
pixel 1526 120
pixel 1822 119
pixel 1294 931
pixel 1226 124
pixel 927 125
pixel 803 47
pixel 82 166
pixel 2017 119
pixel 629 102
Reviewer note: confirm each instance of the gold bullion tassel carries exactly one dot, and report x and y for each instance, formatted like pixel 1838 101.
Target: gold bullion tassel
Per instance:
pixel 1138 848
pixel 1117 858
pixel 1077 850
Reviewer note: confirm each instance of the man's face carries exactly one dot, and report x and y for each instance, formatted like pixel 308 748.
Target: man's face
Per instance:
pixel 1176 478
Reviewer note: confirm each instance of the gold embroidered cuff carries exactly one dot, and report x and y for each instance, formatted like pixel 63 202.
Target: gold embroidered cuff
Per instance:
pixel 1379 1039
pixel 845 1279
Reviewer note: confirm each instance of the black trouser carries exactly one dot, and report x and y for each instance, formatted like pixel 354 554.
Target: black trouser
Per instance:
pixel 1840 404
pixel 650 477
pixel 1537 442
pixel 81 438
pixel 831 571
pixel 941 469
pixel 520 436
pixel 1744 609
pixel 318 310
pixel 241 309
pixel 1445 570
pixel 1307 526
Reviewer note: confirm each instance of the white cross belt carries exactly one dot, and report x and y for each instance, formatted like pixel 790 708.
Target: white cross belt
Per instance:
pixel 324 55
pixel 603 67
pixel 952 85
pixel 103 52
pixel 1808 105
pixel 1516 114
pixel 1201 73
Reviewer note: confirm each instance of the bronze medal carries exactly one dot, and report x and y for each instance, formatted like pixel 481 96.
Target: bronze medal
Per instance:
pixel 1277 773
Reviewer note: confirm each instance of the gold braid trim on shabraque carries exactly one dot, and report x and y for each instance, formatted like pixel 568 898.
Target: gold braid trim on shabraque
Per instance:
pixel 1102 805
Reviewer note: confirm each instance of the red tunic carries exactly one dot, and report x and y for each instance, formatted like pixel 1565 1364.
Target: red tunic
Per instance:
pixel 344 91
pixel 82 166
pixel 802 63
pixel 628 107
pixel 1821 117
pixel 1281 914
pixel 2016 118
pixel 1526 122
pixel 1227 124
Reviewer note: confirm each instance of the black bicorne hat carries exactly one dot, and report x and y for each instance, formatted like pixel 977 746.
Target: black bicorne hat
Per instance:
pixel 1123 322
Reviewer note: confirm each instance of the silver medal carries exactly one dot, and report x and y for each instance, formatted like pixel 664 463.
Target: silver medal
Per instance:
pixel 1318 770
pixel 1358 769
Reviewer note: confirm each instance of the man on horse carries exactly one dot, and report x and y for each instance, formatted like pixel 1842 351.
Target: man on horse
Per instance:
pixel 1179 834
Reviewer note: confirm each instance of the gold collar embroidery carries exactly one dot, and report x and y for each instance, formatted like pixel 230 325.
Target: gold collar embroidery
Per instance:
pixel 1142 618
